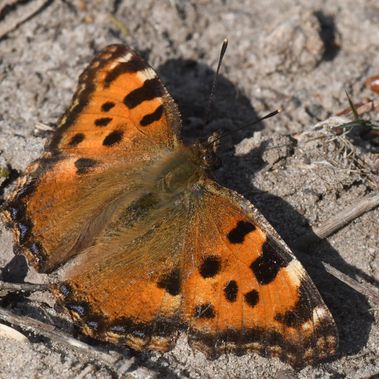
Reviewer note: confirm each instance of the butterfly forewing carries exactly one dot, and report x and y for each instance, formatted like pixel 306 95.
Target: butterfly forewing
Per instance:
pixel 121 120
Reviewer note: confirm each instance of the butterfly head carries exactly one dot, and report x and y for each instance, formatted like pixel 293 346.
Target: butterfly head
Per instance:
pixel 205 156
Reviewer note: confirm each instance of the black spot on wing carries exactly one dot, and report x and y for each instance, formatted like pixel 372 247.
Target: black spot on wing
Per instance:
pixel 107 106
pixel 150 89
pixel 170 282
pixel 303 309
pixel 103 121
pixel 237 235
pixel 133 65
pixel 113 138
pixel 210 266
pixel 76 139
pixel 252 298
pixel 206 311
pixel 152 117
pixel 267 266
pixel 231 291
pixel 83 165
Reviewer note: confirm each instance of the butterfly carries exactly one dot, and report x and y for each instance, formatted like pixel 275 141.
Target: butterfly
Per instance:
pixel 142 243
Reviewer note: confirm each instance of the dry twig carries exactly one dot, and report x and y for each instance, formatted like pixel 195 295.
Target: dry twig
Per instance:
pixel 347 215
pixel 21 287
pixel 339 221
pixel 331 226
pixel 359 287
pixel 13 13
pixel 49 331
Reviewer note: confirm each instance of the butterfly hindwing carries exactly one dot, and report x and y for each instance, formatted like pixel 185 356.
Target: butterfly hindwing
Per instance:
pixel 130 280
pixel 248 291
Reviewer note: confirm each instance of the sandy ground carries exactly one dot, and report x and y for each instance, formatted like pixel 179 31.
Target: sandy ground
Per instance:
pixel 299 55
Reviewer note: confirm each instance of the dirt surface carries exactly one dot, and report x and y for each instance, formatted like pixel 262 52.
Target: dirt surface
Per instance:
pixel 298 55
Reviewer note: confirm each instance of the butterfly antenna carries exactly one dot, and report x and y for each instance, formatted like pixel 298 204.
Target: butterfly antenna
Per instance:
pixel 271 114
pixel 213 88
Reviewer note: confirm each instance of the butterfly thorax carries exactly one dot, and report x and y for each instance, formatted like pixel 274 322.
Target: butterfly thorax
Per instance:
pixel 181 170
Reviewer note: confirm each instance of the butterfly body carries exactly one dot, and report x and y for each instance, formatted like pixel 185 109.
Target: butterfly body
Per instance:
pixel 145 244
pixel 181 170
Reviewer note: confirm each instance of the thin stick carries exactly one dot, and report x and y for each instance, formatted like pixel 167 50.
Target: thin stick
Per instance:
pixel 361 288
pixel 22 287
pixel 347 215
pixel 331 226
pixel 49 331
pixel 338 221
pixel 369 106
pixel 13 13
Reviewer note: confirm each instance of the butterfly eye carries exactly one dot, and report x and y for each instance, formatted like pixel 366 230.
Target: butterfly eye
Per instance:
pixel 211 160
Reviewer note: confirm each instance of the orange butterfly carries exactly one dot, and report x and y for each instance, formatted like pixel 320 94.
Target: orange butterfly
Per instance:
pixel 145 244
